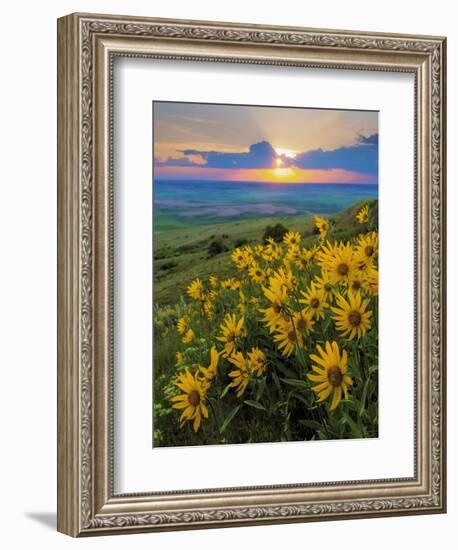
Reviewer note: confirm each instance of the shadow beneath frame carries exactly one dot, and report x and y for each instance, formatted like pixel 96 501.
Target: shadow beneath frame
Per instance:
pixel 47 519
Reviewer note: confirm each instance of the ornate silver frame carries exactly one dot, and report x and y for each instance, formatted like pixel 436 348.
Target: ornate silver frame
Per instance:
pixel 87 45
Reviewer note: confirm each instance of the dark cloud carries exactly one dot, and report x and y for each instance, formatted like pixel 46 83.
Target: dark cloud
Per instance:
pixel 370 140
pixel 259 155
pixel 361 157
pixel 182 161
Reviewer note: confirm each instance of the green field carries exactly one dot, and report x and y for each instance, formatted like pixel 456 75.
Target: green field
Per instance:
pixel 181 255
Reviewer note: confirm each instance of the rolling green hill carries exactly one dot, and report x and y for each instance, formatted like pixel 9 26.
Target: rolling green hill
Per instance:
pixel 181 255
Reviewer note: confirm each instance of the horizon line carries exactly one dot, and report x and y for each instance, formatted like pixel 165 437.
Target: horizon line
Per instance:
pixel 273 183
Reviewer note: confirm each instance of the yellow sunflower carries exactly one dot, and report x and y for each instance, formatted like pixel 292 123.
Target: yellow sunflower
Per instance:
pixel 283 277
pixel 182 324
pixel 371 280
pixel 352 318
pixel 179 358
pixel 315 300
pixel 303 261
pixel 256 273
pixel 303 321
pixel 213 281
pixel 210 372
pixel 271 251
pixel 322 225
pixel 338 261
pixel 240 374
pixel 324 283
pixel 226 284
pixel 196 290
pixel 293 253
pixel 248 251
pixel 232 330
pixel 192 400
pixel 292 238
pixel 330 374
pixel 230 284
pixel 277 294
pixel 288 338
pixel 258 250
pixel 234 284
pixel 367 248
pixel 188 337
pixel 363 215
pixel 209 309
pixel 212 295
pixel 257 361
pixel 242 308
pixel 356 280
pixel 239 258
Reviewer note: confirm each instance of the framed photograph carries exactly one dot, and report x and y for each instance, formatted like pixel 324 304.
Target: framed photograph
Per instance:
pixel 268 283
pixel 251 281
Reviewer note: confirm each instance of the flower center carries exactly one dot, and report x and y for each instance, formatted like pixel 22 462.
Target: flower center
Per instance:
pixel 327 287
pixel 335 376
pixel 194 398
pixel 342 269
pixel 356 285
pixel 277 308
pixel 292 336
pixel 258 273
pixel 231 337
pixel 354 318
pixel 369 251
pixel 315 303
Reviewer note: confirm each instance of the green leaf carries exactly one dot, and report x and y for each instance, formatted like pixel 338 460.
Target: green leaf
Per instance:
pixel 296 383
pixel 285 370
pixel 229 418
pixel 260 388
pixel 226 389
pixel 277 381
pixel 355 430
pixel 326 324
pixel 373 368
pixel 286 429
pixel 363 398
pixel 254 404
pixel 351 405
pixel 303 399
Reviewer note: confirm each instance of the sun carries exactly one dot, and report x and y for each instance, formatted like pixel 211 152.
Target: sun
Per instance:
pixel 282 174
pixel 282 168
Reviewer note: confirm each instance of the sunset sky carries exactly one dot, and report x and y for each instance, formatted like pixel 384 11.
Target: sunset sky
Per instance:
pixel 194 141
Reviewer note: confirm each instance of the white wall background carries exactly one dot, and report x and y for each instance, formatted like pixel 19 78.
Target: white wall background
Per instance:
pixel 28 272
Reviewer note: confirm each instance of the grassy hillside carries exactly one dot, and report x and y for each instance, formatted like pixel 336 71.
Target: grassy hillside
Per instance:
pixel 183 254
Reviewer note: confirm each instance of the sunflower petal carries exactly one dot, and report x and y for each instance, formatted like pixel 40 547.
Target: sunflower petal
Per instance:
pixel 322 396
